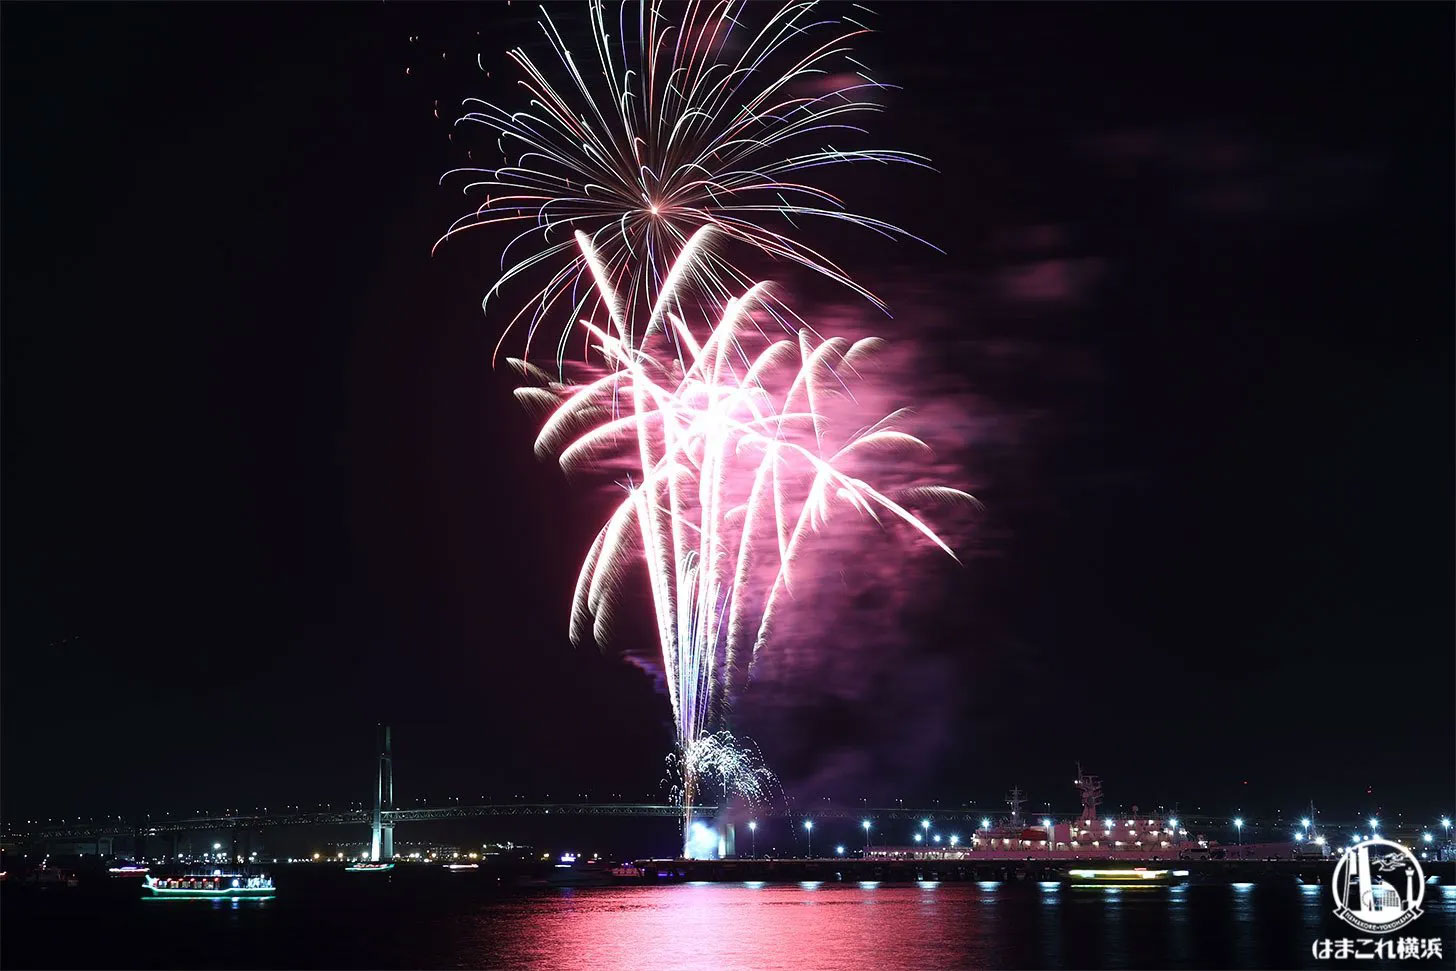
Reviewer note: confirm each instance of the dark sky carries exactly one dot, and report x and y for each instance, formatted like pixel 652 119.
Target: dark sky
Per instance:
pixel 261 486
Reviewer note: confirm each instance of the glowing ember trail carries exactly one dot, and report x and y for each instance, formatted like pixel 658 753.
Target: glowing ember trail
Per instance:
pixel 733 454
pixel 671 125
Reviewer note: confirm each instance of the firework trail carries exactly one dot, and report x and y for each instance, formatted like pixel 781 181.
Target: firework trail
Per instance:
pixel 669 125
pixel 733 453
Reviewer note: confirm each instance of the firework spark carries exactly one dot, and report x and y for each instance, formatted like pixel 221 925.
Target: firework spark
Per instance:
pixel 734 453
pixel 672 125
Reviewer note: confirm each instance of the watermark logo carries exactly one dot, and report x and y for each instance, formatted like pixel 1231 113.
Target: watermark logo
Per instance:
pixel 1378 886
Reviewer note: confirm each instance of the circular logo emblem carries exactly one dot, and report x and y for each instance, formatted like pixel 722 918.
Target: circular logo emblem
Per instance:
pixel 1378 886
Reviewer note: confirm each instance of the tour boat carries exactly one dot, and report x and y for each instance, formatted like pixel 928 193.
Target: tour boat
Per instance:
pixel 214 884
pixel 369 868
pixel 1137 876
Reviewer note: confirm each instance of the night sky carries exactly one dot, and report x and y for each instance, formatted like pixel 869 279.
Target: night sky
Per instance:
pixel 263 488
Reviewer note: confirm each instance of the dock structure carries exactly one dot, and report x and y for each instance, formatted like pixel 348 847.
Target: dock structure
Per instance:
pixel 843 870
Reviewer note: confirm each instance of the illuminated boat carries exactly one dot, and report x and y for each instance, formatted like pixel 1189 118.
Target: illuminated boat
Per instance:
pixel 1136 876
pixel 369 868
pixel 215 884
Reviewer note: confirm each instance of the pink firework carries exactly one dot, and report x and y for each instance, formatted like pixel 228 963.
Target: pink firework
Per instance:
pixel 734 453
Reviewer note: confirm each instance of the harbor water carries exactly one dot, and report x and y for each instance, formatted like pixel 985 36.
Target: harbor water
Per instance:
pixel 890 927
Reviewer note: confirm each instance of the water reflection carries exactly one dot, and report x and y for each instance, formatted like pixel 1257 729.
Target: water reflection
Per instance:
pixel 758 925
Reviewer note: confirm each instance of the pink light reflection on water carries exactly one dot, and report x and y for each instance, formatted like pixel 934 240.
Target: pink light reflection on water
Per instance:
pixel 731 926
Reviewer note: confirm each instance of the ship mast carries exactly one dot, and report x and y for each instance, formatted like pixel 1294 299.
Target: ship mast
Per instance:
pixel 1091 789
pixel 1014 799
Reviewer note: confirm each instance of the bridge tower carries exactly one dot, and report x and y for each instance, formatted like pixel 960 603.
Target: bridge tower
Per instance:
pixel 381 846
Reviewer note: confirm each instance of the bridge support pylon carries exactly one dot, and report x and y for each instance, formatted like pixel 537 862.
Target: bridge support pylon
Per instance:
pixel 381 845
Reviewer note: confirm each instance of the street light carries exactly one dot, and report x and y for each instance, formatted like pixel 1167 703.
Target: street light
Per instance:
pixel 1446 823
pixel 753 837
pixel 1239 825
pixel 1374 824
pixel 865 824
pixel 1428 837
pixel 954 839
pixel 918 837
pixel 839 850
pixel 1298 837
pixel 1304 822
pixel 985 823
pixel 809 827
pixel 1047 825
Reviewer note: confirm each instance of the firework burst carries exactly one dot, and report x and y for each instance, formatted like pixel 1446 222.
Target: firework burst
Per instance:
pixel 733 452
pixel 670 125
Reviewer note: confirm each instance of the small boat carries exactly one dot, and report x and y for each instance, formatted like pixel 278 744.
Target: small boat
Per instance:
pixel 48 877
pixel 215 884
pixel 369 868
pixel 1136 876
